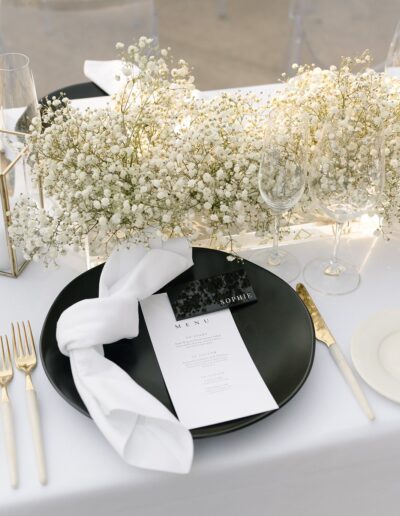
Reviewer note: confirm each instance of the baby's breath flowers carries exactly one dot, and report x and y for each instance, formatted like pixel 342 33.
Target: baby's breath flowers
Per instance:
pixel 355 100
pixel 162 160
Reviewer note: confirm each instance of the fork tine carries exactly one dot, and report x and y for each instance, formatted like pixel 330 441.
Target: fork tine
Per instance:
pixel 21 344
pixel 28 351
pixel 14 340
pixel 16 346
pixel 8 352
pixel 3 365
pixel 32 339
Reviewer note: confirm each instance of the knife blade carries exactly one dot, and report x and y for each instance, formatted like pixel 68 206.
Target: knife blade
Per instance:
pixel 324 335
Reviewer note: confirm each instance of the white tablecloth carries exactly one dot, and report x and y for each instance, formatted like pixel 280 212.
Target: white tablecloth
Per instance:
pixel 318 456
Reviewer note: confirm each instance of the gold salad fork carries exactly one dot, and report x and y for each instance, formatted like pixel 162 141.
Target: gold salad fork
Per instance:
pixel 6 375
pixel 25 360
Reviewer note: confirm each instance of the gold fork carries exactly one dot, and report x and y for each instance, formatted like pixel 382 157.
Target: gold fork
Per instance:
pixel 6 375
pixel 25 360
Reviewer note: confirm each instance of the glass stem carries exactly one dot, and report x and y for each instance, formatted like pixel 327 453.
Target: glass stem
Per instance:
pixel 338 234
pixel 276 233
pixel 334 268
pixel 274 258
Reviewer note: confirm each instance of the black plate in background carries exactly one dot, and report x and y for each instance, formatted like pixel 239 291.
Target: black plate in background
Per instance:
pixel 277 330
pixel 82 90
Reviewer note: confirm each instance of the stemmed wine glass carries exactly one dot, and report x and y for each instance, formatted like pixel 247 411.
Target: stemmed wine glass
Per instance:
pixel 18 107
pixel 18 100
pixel 392 63
pixel 346 178
pixel 281 181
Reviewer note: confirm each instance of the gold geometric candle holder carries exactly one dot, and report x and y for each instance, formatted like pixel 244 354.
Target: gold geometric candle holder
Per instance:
pixel 14 181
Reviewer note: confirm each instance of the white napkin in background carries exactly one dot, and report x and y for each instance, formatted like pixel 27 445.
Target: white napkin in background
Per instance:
pixel 103 74
pixel 137 425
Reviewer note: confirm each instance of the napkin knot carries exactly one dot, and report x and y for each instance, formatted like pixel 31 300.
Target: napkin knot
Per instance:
pixel 136 424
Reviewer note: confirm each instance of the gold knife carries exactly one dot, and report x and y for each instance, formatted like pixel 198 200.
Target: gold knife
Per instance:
pixel 323 334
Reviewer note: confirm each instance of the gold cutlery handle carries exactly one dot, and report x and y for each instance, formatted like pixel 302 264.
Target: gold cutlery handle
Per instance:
pixel 9 440
pixel 34 417
pixel 351 380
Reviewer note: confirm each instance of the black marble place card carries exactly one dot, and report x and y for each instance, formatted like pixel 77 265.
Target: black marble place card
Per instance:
pixel 211 294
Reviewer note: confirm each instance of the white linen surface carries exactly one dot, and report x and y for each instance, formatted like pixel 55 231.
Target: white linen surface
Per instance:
pixel 141 430
pixel 319 455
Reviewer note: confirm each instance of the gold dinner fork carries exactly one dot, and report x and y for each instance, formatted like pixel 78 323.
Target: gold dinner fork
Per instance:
pixel 25 360
pixel 6 375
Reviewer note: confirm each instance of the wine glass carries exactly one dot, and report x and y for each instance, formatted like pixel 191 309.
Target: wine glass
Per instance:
pixel 281 181
pixel 18 100
pixel 392 63
pixel 18 107
pixel 346 178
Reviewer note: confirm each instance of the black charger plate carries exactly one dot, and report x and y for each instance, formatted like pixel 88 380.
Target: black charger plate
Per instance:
pixel 277 330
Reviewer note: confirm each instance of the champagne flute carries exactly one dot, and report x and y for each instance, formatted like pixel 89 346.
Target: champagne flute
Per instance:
pixel 392 63
pixel 18 100
pixel 346 178
pixel 18 107
pixel 281 181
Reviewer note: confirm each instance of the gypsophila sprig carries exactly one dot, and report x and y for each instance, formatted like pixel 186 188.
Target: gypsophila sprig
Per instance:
pixel 160 159
pixel 365 103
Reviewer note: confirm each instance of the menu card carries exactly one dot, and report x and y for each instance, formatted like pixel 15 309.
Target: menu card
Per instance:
pixel 208 371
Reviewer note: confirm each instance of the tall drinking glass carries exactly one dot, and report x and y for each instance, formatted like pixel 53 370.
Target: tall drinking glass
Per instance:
pixel 346 178
pixel 281 181
pixel 18 100
pixel 18 107
pixel 392 63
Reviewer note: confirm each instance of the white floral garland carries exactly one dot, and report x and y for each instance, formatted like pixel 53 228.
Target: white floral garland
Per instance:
pixel 168 161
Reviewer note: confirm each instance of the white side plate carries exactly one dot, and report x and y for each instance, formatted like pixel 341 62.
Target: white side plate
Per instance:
pixel 375 351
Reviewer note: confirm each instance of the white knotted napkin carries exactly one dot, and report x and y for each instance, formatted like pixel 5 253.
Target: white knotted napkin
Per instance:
pixel 138 426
